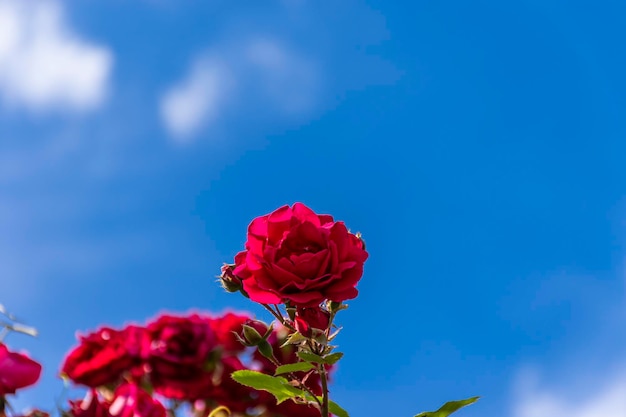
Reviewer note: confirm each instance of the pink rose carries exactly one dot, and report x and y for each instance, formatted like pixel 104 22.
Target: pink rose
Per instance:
pixel 295 255
pixel 16 371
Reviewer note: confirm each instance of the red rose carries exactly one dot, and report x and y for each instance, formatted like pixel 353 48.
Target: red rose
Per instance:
pixel 131 401
pixel 90 406
pixel 310 318
pixel 298 256
pixel 102 357
pixel 224 326
pixel 16 371
pixel 180 356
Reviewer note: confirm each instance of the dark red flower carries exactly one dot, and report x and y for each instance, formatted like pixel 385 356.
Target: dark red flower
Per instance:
pixel 224 326
pixel 103 356
pixel 90 406
pixel 131 401
pixel 180 356
pixel 310 318
pixel 295 255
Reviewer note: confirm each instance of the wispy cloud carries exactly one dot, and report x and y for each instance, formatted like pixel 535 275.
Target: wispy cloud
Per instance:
pixel 583 373
pixel 288 79
pixel 606 398
pixel 197 100
pixel 259 72
pixel 44 64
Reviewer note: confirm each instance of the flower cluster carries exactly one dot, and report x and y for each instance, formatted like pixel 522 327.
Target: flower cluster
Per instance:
pixel 141 371
pixel 298 265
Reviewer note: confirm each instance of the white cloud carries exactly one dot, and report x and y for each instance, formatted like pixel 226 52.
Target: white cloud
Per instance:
pixel 254 78
pixel 43 64
pixel 288 79
pixel 606 399
pixel 197 100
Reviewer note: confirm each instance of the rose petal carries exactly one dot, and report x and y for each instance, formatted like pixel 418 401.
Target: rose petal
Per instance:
pixel 325 218
pixel 340 235
pixel 305 214
pixel 280 275
pixel 258 227
pixel 347 294
pixel 305 299
pixel 259 295
pixel 307 265
pixel 278 222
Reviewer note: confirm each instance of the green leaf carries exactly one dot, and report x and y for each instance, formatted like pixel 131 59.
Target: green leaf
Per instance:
pixel 333 358
pixel 294 367
pixel 266 350
pixel 334 408
pixel 310 357
pixel 448 408
pixel 277 386
pixel 293 339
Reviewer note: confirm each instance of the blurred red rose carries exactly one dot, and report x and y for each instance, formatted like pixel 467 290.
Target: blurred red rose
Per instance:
pixel 295 255
pixel 224 326
pixel 16 371
pixel 90 406
pixel 131 401
pixel 103 356
pixel 225 391
pixel 180 356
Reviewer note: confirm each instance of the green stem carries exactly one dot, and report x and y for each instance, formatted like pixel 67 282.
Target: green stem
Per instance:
pixel 279 317
pixel 324 390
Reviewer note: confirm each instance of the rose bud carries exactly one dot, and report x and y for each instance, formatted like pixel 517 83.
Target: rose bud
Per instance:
pixel 308 319
pixel 251 336
pixel 228 279
pixel 303 327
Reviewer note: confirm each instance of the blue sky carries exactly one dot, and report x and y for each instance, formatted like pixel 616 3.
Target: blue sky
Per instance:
pixel 479 147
